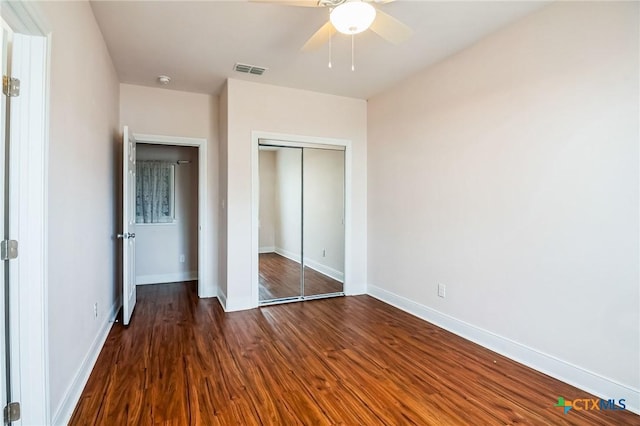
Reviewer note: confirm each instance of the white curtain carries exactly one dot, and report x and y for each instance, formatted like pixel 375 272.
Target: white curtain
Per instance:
pixel 154 192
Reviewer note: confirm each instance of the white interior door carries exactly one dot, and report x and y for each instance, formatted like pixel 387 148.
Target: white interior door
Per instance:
pixel 128 235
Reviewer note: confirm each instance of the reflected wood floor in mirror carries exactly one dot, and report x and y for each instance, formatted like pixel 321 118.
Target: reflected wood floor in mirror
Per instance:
pixel 279 277
pixel 344 360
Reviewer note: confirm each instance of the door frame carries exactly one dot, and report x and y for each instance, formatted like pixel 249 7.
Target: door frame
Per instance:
pixel 292 140
pixel 28 203
pixel 205 287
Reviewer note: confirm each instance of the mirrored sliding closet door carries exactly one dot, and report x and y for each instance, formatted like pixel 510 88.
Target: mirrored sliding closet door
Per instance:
pixel 280 223
pixel 323 221
pixel 301 221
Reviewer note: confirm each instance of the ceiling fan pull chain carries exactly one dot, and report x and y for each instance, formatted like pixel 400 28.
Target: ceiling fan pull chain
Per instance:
pixel 353 66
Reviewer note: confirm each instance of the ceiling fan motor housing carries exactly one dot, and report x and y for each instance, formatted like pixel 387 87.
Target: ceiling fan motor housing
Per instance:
pixel 330 3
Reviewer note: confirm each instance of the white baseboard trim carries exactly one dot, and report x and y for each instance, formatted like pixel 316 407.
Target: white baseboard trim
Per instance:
pixel 325 270
pixel 74 391
pixel 288 254
pixel 238 305
pixel 222 299
pixel 574 375
pixel 241 305
pixel 167 278
pixel 208 294
pixel 358 292
pixel 268 249
pixel 207 291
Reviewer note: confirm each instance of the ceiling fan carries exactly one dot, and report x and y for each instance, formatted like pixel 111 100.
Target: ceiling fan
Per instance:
pixel 351 17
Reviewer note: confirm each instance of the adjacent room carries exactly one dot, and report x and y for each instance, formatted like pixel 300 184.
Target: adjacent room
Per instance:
pixel 166 214
pixel 350 212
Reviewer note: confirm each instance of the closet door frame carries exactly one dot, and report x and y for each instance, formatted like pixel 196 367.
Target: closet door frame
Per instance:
pixel 297 141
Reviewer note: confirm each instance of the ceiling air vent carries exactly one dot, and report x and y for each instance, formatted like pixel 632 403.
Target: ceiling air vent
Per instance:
pixel 249 69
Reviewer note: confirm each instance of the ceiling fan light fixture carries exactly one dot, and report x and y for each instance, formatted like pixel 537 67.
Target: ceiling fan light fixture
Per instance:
pixel 352 17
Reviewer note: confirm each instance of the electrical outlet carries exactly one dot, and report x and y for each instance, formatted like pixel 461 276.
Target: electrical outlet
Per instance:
pixel 442 290
pixel 95 310
pixel 182 258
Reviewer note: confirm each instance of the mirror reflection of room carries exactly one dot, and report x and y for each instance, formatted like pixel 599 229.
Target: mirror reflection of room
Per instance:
pixel 323 221
pixel 280 222
pixel 301 223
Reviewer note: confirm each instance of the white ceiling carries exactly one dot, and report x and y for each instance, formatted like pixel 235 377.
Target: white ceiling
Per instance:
pixel 197 43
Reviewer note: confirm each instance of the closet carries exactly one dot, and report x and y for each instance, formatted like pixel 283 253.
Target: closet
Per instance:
pixel 301 221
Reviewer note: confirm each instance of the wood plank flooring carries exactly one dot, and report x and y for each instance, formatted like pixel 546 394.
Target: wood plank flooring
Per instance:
pixel 279 277
pixel 348 360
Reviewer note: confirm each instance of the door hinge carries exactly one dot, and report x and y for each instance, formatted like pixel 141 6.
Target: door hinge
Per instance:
pixel 10 86
pixel 8 249
pixel 12 412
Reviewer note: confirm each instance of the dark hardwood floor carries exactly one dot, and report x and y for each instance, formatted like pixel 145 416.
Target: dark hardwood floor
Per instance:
pixel 279 277
pixel 347 360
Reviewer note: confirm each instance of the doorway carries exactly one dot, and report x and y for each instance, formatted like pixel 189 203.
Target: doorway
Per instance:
pixel 301 222
pixel 166 214
pixel 129 211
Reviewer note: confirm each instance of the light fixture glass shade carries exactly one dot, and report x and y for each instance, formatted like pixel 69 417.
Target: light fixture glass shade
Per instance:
pixel 352 17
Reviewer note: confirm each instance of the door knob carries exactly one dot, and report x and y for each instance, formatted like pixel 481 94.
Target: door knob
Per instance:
pixel 122 236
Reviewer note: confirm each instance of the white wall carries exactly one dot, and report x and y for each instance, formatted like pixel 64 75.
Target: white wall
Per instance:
pixel 267 224
pixel 81 197
pixel 259 107
pixel 160 245
pixel 509 172
pixel 149 110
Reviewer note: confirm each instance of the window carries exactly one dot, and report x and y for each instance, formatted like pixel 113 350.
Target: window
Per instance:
pixel 155 192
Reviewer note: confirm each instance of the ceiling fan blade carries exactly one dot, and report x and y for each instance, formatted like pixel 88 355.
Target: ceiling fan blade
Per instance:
pixel 302 3
pixel 390 29
pixel 320 37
